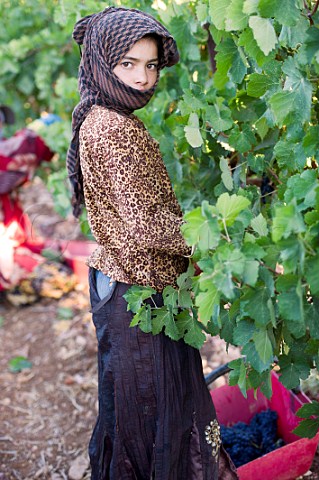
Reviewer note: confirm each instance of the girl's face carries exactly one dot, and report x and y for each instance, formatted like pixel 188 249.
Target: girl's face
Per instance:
pixel 139 67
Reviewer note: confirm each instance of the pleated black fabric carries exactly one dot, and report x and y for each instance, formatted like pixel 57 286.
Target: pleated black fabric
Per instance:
pixel 153 403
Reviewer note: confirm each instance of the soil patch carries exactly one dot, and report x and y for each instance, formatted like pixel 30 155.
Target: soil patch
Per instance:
pixel 47 411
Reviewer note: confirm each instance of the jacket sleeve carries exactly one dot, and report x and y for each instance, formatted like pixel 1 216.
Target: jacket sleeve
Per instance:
pixel 144 198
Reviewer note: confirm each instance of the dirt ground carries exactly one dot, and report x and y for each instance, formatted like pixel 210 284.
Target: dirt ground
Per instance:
pixel 47 411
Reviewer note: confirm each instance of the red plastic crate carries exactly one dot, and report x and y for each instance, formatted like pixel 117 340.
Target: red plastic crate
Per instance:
pixel 285 463
pixel 76 253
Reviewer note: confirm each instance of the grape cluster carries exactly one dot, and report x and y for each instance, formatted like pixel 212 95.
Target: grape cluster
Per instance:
pixel 266 188
pixel 245 442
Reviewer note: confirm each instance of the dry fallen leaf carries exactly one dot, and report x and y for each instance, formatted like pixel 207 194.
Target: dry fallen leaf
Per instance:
pixel 78 467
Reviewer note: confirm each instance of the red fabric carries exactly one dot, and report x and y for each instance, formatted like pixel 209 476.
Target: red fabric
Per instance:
pixel 19 157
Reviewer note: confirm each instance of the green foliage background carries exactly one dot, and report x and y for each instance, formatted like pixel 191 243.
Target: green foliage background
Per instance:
pixel 237 122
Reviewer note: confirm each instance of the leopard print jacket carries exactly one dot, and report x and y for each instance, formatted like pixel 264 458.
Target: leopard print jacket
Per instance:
pixel 132 209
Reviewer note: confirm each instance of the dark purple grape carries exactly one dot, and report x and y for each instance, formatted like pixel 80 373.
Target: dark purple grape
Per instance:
pixel 246 442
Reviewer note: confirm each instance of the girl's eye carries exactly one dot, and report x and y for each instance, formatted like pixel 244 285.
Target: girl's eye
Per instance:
pixel 152 66
pixel 126 64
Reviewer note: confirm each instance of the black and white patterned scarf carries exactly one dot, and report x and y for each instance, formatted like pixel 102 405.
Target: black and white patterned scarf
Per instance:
pixel 106 37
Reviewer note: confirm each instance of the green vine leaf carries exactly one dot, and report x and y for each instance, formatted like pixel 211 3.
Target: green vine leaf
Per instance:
pixel 312 269
pixel 242 140
pixel 254 304
pixel 236 18
pixel 217 11
pixel 229 207
pixel 192 132
pixel 165 317
pixel 287 220
pixel 202 227
pixel 243 331
pixel 309 410
pixel 259 224
pixel 219 116
pixel 190 329
pixel 142 318
pixel 307 428
pixel 226 174
pixel 259 84
pixel 263 345
pixel 282 104
pixel 254 358
pixel 207 302
pixel 286 12
pixel 264 33
pixel 136 295
pixel 237 375
pixel 291 370
pixel 170 296
pixel 250 6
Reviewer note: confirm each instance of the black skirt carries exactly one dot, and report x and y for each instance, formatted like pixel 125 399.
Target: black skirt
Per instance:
pixel 154 406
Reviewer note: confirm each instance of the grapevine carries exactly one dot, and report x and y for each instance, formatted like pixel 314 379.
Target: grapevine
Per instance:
pixel 237 121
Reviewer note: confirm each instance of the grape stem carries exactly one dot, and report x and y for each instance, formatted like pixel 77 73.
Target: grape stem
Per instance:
pixel 311 13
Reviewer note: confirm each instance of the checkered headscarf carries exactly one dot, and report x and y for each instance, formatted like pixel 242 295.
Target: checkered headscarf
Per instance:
pixel 106 37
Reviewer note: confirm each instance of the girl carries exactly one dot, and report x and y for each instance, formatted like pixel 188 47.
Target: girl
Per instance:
pixel 156 418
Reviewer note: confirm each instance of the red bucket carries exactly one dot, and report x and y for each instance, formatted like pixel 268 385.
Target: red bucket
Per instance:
pixel 285 463
pixel 76 253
